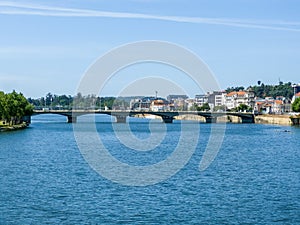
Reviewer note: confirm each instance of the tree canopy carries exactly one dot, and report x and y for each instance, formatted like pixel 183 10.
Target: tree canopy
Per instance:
pixel 78 101
pixel 242 108
pixel 13 107
pixel 261 90
pixel 296 105
pixel 204 107
pixel 281 89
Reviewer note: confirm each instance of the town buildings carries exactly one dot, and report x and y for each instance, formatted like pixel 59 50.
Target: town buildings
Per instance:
pixel 216 98
pixel 201 99
pixel 296 88
pixel 218 101
pixel 297 95
pixel 150 104
pixel 269 105
pixel 236 98
pixel 178 102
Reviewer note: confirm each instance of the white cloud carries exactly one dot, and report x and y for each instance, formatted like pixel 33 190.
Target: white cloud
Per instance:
pixel 14 8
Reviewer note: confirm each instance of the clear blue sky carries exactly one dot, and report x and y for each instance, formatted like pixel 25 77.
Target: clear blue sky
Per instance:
pixel 47 45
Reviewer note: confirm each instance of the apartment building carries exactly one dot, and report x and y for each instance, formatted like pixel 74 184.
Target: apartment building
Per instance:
pixel 235 98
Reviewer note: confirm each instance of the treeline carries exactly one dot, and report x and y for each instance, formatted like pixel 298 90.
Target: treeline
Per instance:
pixel 13 107
pixel 261 90
pixel 53 101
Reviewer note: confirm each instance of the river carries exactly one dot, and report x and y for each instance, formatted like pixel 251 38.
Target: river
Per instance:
pixel 254 179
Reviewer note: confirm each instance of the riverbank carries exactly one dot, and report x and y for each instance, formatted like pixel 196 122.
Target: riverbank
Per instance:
pixel 13 127
pixel 260 119
pixel 273 119
pixel 295 119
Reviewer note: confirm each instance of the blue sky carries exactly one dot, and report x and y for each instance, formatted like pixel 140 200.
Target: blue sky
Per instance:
pixel 46 46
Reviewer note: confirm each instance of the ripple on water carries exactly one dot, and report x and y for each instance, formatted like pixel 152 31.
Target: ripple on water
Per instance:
pixel 253 180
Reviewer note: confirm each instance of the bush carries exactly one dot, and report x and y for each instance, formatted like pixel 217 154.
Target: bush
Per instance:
pixel 296 105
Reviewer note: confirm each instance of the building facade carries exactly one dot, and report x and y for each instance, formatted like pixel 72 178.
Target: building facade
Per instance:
pixel 236 98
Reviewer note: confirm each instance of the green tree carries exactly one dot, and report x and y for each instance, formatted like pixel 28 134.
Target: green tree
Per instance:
pixel 220 108
pixel 49 99
pixel 14 107
pixel 242 108
pixel 263 90
pixel 230 89
pixel 194 107
pixel 296 105
pixel 204 107
pixel 2 105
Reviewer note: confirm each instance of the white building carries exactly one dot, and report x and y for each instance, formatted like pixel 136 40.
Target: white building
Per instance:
pixel 201 99
pixel 216 98
pixel 220 98
pixel 235 98
pixel 159 105
pixel 297 95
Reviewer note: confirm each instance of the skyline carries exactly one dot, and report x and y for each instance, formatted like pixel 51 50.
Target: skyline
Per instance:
pixel 48 45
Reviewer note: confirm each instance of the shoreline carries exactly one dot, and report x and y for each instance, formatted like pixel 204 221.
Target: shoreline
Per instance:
pixel 274 119
pixel 14 127
pixel 277 120
pixel 260 119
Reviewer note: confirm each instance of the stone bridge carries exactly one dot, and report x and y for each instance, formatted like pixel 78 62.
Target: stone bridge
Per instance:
pixel 167 116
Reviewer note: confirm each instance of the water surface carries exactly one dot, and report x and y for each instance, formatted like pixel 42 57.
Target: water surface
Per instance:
pixel 254 179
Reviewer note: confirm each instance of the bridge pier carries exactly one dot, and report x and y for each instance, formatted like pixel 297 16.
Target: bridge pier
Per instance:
pixel 121 118
pixel 211 119
pixel 167 116
pixel 72 119
pixel 249 119
pixel 167 119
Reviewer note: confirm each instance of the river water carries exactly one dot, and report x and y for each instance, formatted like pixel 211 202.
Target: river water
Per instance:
pixel 254 179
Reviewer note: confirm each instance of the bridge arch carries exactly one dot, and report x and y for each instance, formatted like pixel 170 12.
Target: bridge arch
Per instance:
pixel 167 116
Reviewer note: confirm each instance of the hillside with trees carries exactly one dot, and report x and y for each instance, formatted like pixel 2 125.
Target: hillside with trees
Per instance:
pixel 261 90
pixel 13 107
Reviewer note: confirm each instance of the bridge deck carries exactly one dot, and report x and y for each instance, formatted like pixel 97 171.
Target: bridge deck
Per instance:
pixel 167 116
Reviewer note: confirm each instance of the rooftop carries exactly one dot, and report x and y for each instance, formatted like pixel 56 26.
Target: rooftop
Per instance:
pixel 239 93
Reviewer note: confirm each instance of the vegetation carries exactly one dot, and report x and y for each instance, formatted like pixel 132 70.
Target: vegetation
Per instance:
pixel 231 89
pixel 79 101
pixel 204 107
pixel 53 101
pixel 261 90
pixel 13 107
pixel 281 89
pixel 220 108
pixel 296 105
pixel 242 108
